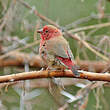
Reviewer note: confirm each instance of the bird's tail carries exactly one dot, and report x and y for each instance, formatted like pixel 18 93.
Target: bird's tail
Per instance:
pixel 74 70
pixel 70 64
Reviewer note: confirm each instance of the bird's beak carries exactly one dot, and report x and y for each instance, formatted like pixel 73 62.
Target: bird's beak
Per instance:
pixel 40 30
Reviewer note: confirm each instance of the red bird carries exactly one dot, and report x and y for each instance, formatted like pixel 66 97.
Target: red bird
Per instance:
pixel 55 50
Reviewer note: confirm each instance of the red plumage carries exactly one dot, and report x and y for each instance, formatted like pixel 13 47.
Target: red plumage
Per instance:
pixel 55 50
pixel 66 61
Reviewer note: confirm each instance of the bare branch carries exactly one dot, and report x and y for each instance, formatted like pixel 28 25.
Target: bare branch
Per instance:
pixel 18 59
pixel 89 27
pixel 19 49
pixel 48 74
pixel 66 32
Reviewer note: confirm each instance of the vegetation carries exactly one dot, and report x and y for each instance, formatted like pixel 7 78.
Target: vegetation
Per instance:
pixel 86 26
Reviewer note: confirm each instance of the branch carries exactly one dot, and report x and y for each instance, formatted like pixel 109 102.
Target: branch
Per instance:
pixel 42 83
pixel 47 74
pixel 19 49
pixel 19 58
pixel 66 32
pixel 38 14
pixel 89 27
pixel 97 66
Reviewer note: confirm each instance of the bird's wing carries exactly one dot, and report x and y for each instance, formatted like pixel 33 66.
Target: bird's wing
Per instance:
pixel 59 47
pixel 70 53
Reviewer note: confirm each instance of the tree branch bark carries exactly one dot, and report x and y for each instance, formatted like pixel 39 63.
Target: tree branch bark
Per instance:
pixel 48 74
pixel 19 58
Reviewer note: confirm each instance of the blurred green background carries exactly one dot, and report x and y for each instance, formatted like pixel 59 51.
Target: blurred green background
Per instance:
pixel 79 13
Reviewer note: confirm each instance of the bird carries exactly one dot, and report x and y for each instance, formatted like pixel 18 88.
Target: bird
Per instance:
pixel 55 51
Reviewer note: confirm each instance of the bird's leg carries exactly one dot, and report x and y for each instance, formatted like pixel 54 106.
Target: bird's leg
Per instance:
pixel 52 79
pixel 56 66
pixel 60 82
pixel 48 69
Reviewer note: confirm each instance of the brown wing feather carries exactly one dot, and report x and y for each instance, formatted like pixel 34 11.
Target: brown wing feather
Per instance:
pixel 58 46
pixel 70 53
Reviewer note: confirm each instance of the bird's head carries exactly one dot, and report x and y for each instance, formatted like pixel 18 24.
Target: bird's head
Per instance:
pixel 49 31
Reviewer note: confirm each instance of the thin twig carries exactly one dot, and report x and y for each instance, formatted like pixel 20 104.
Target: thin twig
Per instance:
pixel 85 19
pixel 93 50
pixel 36 28
pixel 19 49
pixel 101 7
pixel 38 14
pixel 100 50
pixel 89 27
pixel 68 33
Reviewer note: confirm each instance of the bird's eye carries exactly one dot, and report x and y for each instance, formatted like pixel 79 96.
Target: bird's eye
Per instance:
pixel 46 31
